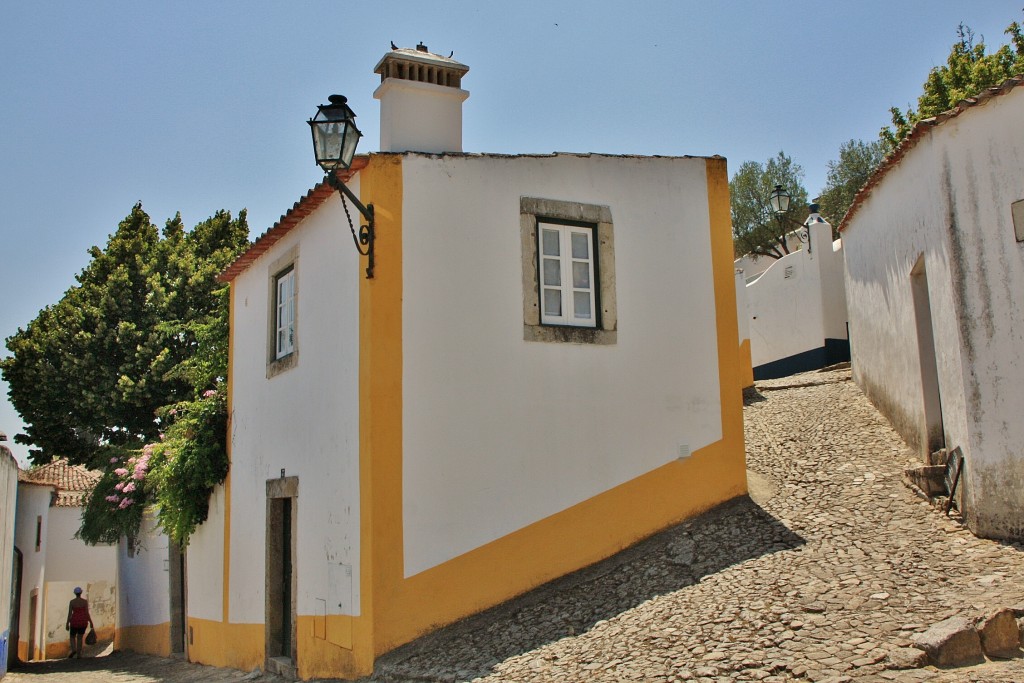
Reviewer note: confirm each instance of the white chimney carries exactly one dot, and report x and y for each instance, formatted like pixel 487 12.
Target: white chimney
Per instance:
pixel 421 100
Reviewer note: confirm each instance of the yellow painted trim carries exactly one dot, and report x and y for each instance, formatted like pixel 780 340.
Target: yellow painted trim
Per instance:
pixel 404 608
pixel 226 585
pixel 215 643
pixel 380 407
pixel 746 365
pixel 151 639
pixel 729 364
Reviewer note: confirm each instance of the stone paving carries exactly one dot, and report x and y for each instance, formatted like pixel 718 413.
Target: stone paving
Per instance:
pixel 825 574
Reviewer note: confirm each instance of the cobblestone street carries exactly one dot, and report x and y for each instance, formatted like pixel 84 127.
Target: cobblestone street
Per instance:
pixel 825 575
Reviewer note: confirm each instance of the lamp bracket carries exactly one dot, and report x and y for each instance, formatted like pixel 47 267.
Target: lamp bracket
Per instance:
pixel 365 237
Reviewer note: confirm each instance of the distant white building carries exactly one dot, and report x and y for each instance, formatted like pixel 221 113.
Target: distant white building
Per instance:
pixel 934 249
pixel 54 562
pixel 543 370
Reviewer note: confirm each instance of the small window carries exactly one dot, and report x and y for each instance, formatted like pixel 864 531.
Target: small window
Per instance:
pixel 39 532
pixel 284 307
pixel 567 274
pixel 283 289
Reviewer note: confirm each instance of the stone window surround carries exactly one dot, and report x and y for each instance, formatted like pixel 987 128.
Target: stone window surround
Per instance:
pixel 275 366
pixel 532 208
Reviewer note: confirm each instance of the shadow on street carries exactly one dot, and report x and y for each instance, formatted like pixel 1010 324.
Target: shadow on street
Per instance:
pixel 673 559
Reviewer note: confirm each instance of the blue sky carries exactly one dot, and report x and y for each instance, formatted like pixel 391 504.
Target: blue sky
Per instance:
pixel 197 106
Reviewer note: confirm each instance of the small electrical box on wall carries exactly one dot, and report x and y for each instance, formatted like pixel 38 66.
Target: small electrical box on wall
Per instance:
pixel 684 451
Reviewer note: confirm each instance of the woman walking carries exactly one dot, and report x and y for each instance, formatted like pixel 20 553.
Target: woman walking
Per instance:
pixel 78 619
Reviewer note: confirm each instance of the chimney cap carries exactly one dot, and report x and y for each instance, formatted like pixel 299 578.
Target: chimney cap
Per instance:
pixel 420 55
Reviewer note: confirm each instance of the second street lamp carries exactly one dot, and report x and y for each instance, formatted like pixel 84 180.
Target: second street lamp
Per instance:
pixel 335 137
pixel 780 199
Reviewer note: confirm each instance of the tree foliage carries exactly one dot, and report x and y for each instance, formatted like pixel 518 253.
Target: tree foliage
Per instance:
pixel 857 161
pixel 755 227
pixel 968 70
pixel 127 368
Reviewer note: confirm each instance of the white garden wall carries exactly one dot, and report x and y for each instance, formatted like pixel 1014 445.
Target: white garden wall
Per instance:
pixel 796 309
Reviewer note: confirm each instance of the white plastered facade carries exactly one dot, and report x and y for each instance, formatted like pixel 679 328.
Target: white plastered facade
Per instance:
pixel 942 217
pixel 303 420
pixel 499 432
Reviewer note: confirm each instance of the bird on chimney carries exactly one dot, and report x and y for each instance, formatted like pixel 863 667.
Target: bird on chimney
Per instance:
pixel 393 46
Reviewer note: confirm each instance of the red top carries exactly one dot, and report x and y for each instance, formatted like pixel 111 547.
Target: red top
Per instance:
pixel 79 616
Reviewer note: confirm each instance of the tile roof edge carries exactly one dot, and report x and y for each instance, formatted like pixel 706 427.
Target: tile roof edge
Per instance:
pixel 306 204
pixel 920 129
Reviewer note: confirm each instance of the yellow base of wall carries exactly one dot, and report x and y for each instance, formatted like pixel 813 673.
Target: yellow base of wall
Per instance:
pixel 746 365
pixel 214 643
pixel 324 646
pixel 152 639
pixel 62 648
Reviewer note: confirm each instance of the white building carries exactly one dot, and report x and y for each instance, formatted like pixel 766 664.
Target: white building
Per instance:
pixel 8 498
pixel 413 448
pixel 934 249
pixel 54 562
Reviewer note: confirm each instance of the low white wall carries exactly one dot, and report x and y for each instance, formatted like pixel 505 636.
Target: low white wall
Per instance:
pixel 796 305
pixel 143 576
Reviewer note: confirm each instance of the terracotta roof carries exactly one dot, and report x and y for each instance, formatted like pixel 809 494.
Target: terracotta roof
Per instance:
pixel 300 209
pixel 72 482
pixel 919 131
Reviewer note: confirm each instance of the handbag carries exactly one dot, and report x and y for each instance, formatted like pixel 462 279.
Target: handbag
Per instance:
pixel 90 637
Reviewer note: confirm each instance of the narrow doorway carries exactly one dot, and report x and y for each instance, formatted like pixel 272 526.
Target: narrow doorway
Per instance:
pixel 176 579
pixel 932 436
pixel 33 616
pixel 14 636
pixel 282 498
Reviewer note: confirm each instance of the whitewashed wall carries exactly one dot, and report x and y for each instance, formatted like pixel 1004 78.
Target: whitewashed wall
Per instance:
pixel 143 578
pixel 8 508
pixel 205 566
pixel 33 501
pixel 499 432
pixel 947 203
pixel 69 559
pixel 797 303
pixel 320 393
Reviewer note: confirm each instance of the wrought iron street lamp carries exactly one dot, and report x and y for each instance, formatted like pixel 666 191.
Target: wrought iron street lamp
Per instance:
pixel 335 137
pixel 779 199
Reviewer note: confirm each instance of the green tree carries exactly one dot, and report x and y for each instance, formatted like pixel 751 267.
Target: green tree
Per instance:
pixel 968 70
pixel 756 229
pixel 99 376
pixel 857 161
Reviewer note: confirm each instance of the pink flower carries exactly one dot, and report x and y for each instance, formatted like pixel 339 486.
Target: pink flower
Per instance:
pixel 125 503
pixel 112 499
pixel 119 486
pixel 138 475
pixel 113 460
pixel 209 392
pixel 161 436
pixel 120 471
pixel 172 411
pixel 129 487
pixel 131 461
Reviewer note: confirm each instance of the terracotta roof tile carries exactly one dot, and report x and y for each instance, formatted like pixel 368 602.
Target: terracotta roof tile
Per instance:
pixel 300 209
pixel 72 482
pixel 919 131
